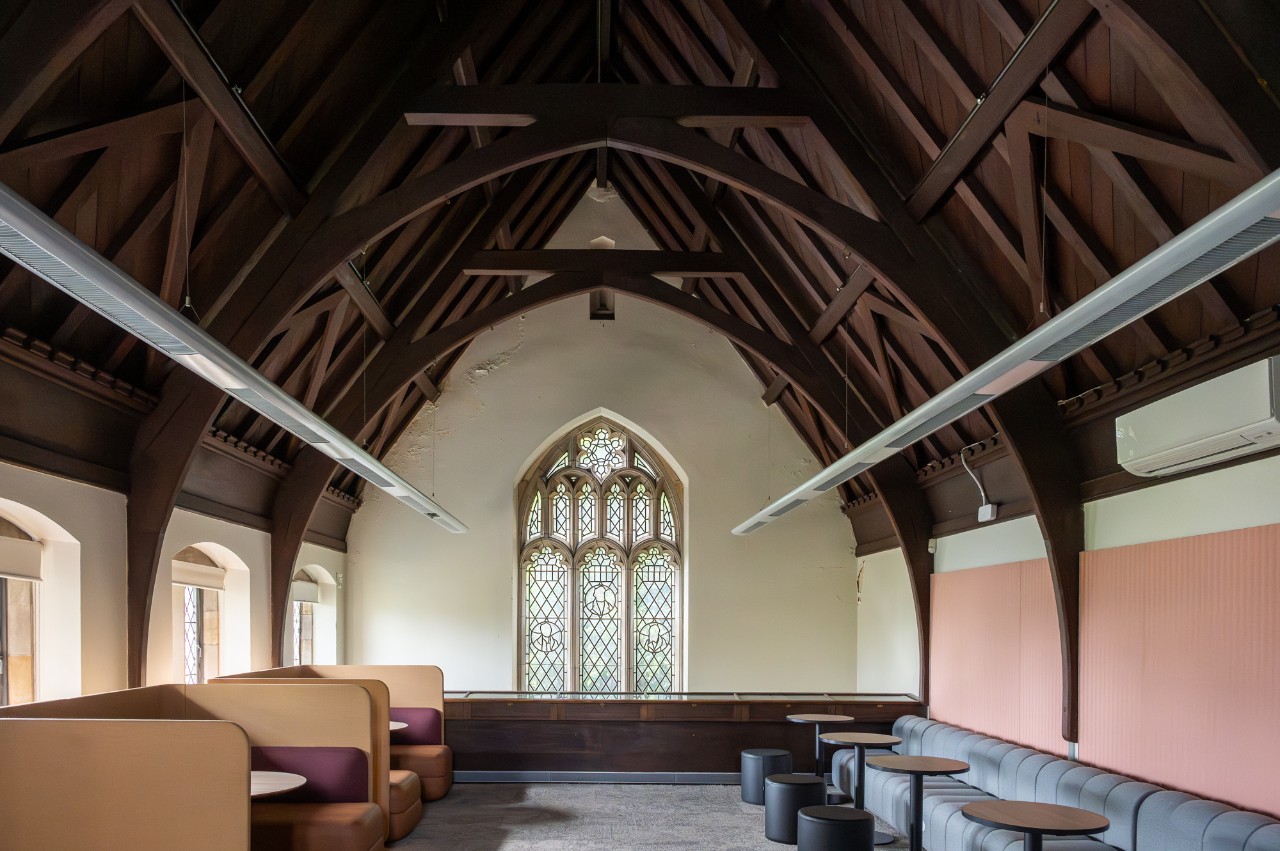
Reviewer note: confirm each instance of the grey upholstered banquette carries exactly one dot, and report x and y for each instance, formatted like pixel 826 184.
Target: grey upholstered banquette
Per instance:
pixel 1143 817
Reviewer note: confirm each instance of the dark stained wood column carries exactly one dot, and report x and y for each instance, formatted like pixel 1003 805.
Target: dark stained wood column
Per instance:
pixel 294 503
pixel 1043 453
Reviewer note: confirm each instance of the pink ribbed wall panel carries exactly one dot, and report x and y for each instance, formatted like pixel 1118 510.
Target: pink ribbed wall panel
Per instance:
pixel 1180 664
pixel 995 665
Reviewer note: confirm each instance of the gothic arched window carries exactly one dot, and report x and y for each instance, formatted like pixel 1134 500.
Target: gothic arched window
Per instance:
pixel 601 535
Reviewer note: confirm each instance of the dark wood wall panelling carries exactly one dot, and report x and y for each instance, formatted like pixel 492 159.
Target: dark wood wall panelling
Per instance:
pixel 494 734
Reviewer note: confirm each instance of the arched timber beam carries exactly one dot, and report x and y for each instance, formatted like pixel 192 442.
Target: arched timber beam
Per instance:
pixel 315 244
pixel 170 435
pixel 1197 70
pixel 388 376
pixel 959 312
pixel 40 44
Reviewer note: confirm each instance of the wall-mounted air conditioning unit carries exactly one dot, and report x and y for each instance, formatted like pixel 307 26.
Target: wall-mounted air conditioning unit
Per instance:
pixel 1223 418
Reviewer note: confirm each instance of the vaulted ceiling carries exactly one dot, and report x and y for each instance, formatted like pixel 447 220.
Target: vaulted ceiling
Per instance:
pixel 867 197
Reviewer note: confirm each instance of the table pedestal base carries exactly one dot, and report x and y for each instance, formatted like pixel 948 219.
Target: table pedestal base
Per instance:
pixel 883 838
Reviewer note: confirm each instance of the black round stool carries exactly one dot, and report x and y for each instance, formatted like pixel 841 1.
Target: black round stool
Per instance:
pixel 835 829
pixel 784 796
pixel 757 764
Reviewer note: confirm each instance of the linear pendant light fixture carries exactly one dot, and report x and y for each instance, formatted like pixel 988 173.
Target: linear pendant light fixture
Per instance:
pixel 1241 227
pixel 33 240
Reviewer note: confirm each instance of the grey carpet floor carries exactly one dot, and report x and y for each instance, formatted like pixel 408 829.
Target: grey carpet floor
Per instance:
pixel 576 817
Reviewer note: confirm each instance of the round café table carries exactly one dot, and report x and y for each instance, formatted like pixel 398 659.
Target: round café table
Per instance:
pixel 263 784
pixel 1035 820
pixel 918 767
pixel 860 742
pixel 817 721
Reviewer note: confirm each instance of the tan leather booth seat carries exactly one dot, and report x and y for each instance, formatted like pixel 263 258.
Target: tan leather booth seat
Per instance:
pixel 406 804
pixel 416 697
pixel 316 827
pixel 432 763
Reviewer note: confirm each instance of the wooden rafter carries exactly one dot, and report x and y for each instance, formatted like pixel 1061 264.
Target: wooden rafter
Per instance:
pixel 188 54
pixel 519 105
pixel 680 264
pixel 1059 23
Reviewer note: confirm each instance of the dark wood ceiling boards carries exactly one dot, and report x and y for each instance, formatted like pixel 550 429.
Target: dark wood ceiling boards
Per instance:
pixel 894 189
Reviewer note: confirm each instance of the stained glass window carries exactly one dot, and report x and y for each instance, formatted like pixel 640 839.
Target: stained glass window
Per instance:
pixel 599 596
pixel 560 512
pixel 641 514
pixel 602 451
pixel 654 619
pixel 533 525
pixel 600 621
pixel 545 617
pixel 586 513
pixel 615 514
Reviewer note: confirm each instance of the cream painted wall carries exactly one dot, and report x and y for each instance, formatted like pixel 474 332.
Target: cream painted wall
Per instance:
pixel 1235 498
pixel 87 655
pixel 246 555
pixel 763 611
pixel 329 623
pixel 997 543
pixel 888 643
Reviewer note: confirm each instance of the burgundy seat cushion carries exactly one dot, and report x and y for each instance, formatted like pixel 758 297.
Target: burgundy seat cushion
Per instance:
pixel 424 726
pixel 334 775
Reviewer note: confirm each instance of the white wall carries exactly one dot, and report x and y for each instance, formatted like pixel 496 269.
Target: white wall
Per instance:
pixel 888 643
pixel 764 612
pixel 81 602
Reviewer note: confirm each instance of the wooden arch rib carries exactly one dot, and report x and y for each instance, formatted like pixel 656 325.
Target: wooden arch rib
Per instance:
pixel 387 378
pixel 305 257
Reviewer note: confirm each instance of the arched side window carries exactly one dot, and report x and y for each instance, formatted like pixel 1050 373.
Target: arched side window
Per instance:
pixel 599 574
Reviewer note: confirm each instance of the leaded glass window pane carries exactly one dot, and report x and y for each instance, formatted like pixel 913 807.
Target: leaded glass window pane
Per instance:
pixel 561 463
pixel 560 512
pixel 615 514
pixel 644 465
pixel 533 523
pixel 303 619
pixel 603 451
pixel 546 609
pixel 600 621
pixel 654 620
pixel 586 514
pixel 641 514
pixel 190 635
pixel 667 519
